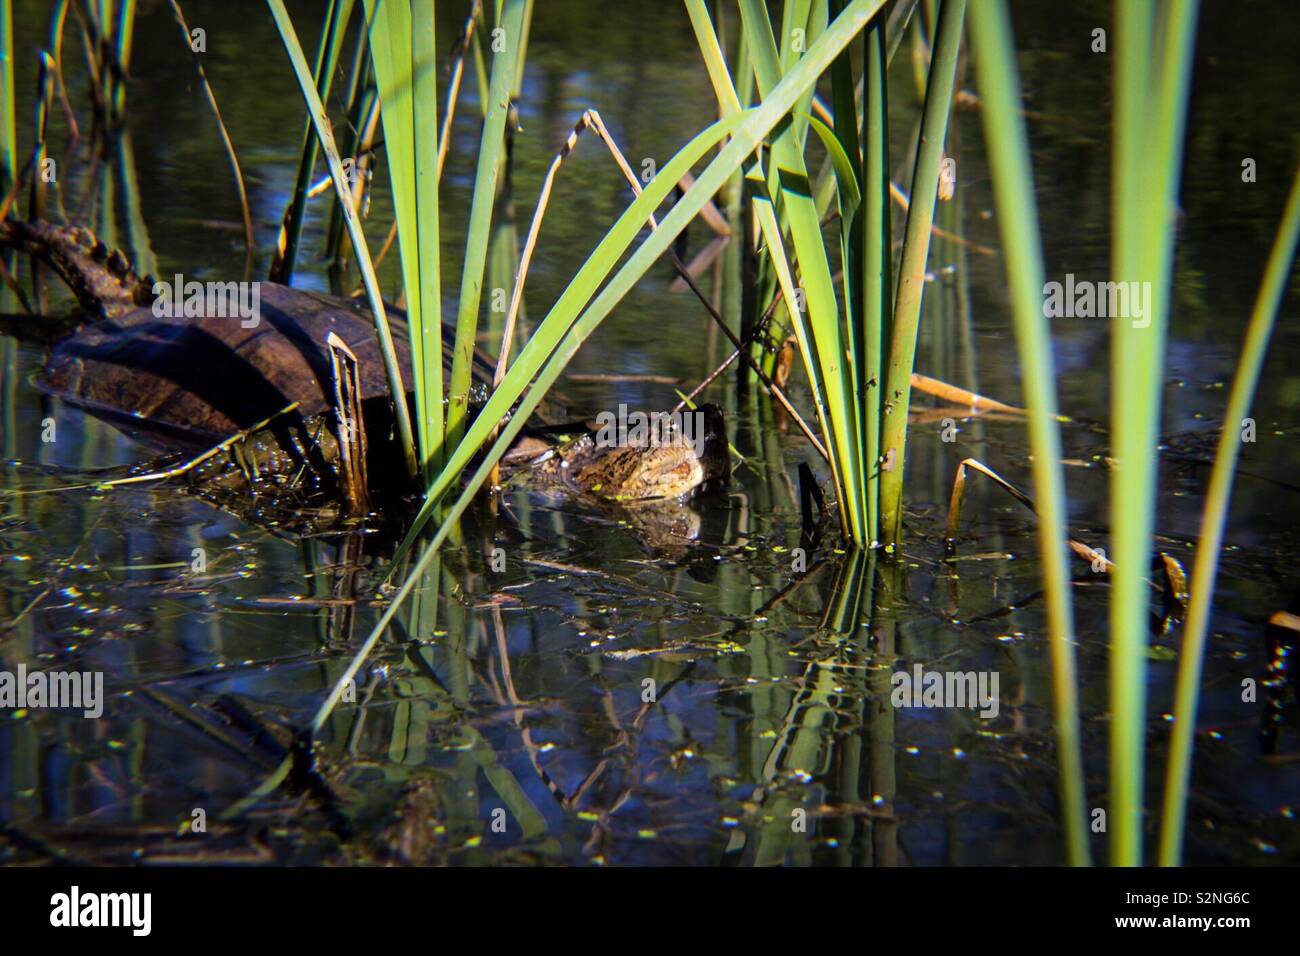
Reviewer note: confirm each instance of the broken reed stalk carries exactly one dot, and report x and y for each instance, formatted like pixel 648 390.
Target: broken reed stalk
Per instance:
pixel 346 380
pixel 958 497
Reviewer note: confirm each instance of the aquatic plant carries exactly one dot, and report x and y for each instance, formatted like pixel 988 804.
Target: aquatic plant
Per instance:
pixel 858 345
pixel 858 349
pixel 1150 113
pixel 1008 148
pixel 1151 97
pixel 1262 318
pixel 591 294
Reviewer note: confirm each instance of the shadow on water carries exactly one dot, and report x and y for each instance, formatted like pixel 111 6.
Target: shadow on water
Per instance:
pixel 698 685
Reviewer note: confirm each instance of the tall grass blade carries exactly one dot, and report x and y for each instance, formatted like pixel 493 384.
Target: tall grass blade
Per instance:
pixel 1150 108
pixel 1192 654
pixel 911 276
pixel 427 280
pixel 853 222
pixel 1008 150
pixel 876 264
pixel 491 158
pixel 402 48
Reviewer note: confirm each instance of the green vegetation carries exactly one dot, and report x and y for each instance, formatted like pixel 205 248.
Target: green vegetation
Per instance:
pixel 1262 318
pixel 1150 114
pixel 582 307
pixel 858 347
pixel 1004 134
pixel 815 213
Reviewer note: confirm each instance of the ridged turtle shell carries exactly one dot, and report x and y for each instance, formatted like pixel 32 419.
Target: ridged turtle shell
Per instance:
pixel 207 378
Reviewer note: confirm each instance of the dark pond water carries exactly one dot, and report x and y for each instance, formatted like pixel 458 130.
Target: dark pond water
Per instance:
pixel 511 705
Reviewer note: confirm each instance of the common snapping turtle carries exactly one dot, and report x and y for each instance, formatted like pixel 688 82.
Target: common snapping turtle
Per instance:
pixel 189 383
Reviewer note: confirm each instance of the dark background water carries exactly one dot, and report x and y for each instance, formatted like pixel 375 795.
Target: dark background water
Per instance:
pixel 523 690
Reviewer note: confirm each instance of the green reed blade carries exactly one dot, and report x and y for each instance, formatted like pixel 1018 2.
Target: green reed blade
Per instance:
pixel 1192 654
pixel 336 19
pixel 788 179
pixel 846 172
pixel 1008 150
pixel 1150 105
pixel 403 55
pixel 491 158
pixel 847 164
pixel 796 15
pixel 876 264
pixel 911 276
pixel 1132 479
pixel 521 54
pixel 427 236
pixel 715 61
pixel 765 212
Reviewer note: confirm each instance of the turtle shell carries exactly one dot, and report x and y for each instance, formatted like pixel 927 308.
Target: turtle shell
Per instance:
pixel 206 378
